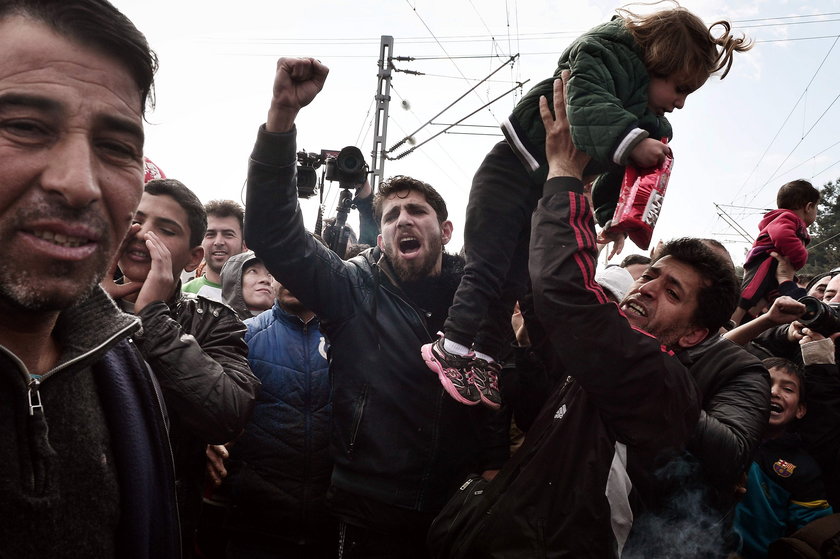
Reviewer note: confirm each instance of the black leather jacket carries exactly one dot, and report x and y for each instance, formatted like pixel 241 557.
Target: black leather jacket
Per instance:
pixel 197 351
pixel 735 409
pixel 397 438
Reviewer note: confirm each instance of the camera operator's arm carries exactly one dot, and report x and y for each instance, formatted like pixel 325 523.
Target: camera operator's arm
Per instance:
pixel 816 348
pixel 783 311
pixel 368 228
pixel 296 83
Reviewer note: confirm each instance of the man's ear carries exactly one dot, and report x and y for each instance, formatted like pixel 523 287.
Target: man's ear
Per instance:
pixel 446 232
pixel 693 337
pixel 801 410
pixel 379 242
pixel 196 256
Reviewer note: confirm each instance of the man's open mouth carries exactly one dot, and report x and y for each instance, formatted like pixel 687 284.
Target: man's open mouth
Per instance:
pixel 409 245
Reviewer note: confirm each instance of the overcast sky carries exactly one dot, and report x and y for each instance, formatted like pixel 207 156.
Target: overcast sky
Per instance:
pixel 774 118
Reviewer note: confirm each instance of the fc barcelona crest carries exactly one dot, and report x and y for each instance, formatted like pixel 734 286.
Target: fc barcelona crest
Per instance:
pixel 783 469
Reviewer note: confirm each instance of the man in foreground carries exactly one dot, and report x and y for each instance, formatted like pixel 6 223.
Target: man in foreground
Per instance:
pixel 85 468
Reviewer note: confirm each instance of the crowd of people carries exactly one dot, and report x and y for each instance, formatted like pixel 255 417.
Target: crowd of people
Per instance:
pixel 397 400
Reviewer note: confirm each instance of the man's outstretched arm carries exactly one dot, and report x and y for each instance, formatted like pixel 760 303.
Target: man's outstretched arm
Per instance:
pixel 274 225
pixel 644 393
pixel 296 83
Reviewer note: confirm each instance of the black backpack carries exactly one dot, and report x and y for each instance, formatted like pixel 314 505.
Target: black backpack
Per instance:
pixel 463 518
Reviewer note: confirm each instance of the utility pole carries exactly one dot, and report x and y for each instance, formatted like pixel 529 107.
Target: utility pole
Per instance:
pixel 383 100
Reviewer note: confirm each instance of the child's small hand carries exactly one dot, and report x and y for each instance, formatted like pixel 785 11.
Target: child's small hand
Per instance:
pixel 610 235
pixel 649 153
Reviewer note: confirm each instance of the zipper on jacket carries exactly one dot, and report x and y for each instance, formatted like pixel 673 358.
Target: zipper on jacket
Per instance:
pixel 307 406
pixel 357 420
pixel 398 293
pixel 35 397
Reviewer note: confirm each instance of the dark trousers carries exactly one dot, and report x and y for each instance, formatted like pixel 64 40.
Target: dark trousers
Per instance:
pixel 759 282
pixel 355 542
pixel 243 548
pixel 496 235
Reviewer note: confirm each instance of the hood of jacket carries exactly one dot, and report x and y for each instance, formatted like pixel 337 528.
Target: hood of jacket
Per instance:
pixel 231 276
pixel 772 215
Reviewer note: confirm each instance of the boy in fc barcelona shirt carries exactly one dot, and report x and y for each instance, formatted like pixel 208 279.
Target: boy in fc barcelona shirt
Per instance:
pixel 784 485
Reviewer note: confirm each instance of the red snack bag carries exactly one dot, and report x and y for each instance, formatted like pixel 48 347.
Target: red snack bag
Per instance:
pixel 640 202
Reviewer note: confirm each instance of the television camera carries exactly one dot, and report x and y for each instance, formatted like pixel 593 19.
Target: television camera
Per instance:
pixel 348 168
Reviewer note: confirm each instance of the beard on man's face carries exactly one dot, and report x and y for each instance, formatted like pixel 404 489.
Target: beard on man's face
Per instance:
pixel 23 290
pixel 417 268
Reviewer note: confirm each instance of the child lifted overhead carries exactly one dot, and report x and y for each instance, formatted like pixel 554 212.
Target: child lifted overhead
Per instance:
pixel 785 232
pixel 625 75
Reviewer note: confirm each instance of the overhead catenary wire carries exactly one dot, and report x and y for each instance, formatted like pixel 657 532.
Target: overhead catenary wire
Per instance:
pixel 809 159
pixel 450 124
pixel 495 45
pixel 785 17
pixel 567 33
pixel 370 122
pixel 496 135
pixel 734 224
pixel 787 24
pixel 826 169
pixel 427 140
pixel 779 131
pixel 791 39
pixel 409 136
pixel 437 164
pixel 805 135
pixel 822 242
pixel 755 210
pixel 445 77
pixel 743 207
pixel 515 69
pixel 434 160
pixel 414 9
pixel 273 54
